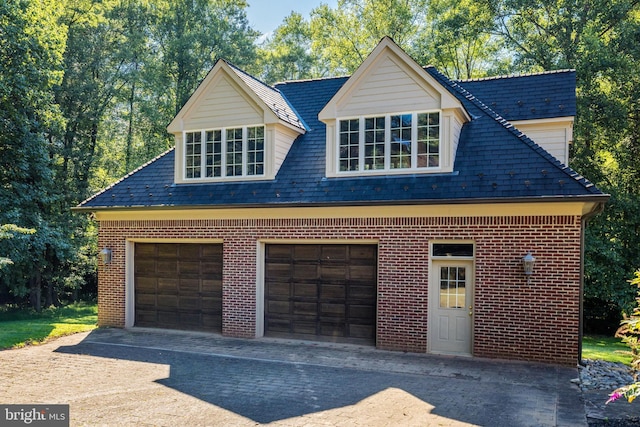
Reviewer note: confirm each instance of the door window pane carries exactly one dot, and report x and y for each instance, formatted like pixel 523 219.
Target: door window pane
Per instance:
pixel 452 287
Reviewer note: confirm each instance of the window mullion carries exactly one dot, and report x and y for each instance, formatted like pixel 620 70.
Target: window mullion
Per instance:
pixel 245 148
pixel 387 142
pixel 361 144
pixel 414 140
pixel 203 154
pixel 223 153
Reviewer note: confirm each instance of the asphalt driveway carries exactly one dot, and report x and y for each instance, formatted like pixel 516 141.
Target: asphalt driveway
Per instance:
pixel 149 377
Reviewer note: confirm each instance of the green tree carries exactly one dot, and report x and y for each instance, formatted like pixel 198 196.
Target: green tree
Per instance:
pixel 30 66
pixel 458 39
pixel 8 231
pixel 192 35
pixel 343 37
pixel 287 55
pixel 598 39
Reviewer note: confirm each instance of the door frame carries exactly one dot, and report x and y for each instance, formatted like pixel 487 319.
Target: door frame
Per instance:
pixel 433 288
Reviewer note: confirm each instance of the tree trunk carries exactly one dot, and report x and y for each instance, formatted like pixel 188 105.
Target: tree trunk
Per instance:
pixel 35 291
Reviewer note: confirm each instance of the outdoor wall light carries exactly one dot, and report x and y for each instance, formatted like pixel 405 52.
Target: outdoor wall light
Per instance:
pixel 527 264
pixel 105 256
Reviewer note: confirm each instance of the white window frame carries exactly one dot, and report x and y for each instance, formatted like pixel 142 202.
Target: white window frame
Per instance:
pixel 387 144
pixel 223 153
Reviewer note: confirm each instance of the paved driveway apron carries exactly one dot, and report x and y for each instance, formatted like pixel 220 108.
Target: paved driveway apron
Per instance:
pixel 151 377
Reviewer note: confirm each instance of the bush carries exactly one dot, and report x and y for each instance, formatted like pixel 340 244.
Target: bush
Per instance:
pixel 630 334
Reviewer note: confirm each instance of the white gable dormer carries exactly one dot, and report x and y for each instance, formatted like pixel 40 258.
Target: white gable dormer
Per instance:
pixel 391 117
pixel 232 128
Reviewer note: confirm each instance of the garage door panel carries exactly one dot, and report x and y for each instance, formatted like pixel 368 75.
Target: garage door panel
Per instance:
pixel 335 272
pixel 305 308
pixel 305 252
pixel 145 249
pixel 189 268
pixel 189 320
pixel 277 271
pixel 211 269
pixel 190 286
pixel 279 252
pixel 361 311
pixel 167 286
pixel 333 310
pixel 366 253
pixel 360 291
pixel 334 252
pixel 309 291
pixel 332 329
pixel 328 291
pixel 212 321
pixel 362 331
pixel 146 284
pixel 167 250
pixel 304 290
pixel 189 303
pixel 168 319
pixel 146 318
pixel 211 251
pixel 279 325
pixel 278 289
pixel 211 305
pixel 362 273
pixel 189 251
pixel 145 267
pixel 303 272
pixel 167 267
pixel 167 302
pixel 176 288
pixel 146 300
pixel 304 327
pixel 279 307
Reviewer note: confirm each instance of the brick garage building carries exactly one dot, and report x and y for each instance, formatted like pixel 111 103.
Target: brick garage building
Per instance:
pixel 391 208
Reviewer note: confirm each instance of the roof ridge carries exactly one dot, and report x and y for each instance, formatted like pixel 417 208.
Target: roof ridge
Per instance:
pixel 240 70
pixel 312 79
pixel 509 127
pixel 515 75
pixel 276 109
pixel 127 175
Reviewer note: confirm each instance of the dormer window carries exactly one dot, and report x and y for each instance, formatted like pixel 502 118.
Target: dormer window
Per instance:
pixel 224 153
pixel 389 142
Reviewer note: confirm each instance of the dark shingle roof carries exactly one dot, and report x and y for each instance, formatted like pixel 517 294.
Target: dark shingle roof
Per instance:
pixel 270 96
pixel 494 162
pixel 530 96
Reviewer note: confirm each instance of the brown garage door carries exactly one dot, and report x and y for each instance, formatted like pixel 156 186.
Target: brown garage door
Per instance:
pixel 178 286
pixel 325 292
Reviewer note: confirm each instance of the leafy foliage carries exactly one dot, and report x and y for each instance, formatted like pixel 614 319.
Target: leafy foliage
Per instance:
pixel 630 334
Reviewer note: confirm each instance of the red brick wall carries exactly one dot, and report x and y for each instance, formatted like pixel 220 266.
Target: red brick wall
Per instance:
pixel 513 319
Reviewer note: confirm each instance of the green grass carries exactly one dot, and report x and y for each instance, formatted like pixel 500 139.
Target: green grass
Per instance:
pixel 23 327
pixel 605 348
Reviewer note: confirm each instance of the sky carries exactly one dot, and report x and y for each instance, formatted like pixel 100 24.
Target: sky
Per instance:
pixel 266 15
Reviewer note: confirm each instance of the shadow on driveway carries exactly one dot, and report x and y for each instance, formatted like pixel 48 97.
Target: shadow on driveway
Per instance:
pixel 464 390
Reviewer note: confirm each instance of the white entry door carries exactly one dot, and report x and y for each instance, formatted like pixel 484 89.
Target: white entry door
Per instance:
pixel 451 307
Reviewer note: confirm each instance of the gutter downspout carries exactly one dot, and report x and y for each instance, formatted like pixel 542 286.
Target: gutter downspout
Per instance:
pixel 597 209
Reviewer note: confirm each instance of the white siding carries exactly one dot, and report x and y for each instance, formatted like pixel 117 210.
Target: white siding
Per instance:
pixel 388 88
pixel 554 137
pixel 456 129
pixel 223 105
pixel 284 137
